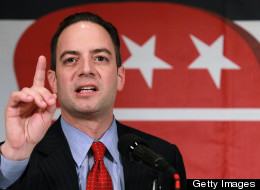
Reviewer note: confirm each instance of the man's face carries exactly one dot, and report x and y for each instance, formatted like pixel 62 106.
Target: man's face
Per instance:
pixel 87 78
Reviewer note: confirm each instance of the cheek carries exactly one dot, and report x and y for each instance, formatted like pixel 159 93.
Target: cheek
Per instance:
pixel 62 84
pixel 63 77
pixel 112 79
pixel 109 84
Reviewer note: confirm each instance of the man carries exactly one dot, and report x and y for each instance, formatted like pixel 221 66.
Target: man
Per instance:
pixel 85 75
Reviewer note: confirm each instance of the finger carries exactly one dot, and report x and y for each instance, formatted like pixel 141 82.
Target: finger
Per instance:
pixel 17 97
pixel 39 77
pixel 37 97
pixel 47 96
pixel 50 112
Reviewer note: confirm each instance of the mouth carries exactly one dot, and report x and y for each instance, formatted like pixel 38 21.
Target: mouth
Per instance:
pixel 86 89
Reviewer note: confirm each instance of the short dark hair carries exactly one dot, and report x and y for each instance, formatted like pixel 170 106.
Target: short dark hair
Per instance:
pixel 85 16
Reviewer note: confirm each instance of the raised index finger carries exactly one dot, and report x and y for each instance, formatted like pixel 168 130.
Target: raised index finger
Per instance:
pixel 39 76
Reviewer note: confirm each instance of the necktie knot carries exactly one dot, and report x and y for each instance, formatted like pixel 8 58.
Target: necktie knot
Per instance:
pixel 99 150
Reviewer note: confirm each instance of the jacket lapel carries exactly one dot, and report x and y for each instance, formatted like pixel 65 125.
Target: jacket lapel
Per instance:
pixel 136 175
pixel 58 167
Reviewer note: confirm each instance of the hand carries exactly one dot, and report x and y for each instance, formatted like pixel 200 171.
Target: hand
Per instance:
pixel 28 116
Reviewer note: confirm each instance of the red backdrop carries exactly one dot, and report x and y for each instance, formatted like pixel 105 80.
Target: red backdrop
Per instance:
pixel 194 78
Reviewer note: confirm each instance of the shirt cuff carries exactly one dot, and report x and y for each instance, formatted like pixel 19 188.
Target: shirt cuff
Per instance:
pixel 10 171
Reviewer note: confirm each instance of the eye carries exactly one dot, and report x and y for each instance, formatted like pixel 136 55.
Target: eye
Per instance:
pixel 70 60
pixel 101 58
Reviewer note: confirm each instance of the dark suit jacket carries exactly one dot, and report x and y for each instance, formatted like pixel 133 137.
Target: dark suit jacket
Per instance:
pixel 51 165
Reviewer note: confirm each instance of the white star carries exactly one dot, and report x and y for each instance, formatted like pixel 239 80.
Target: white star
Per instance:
pixel 143 58
pixel 212 58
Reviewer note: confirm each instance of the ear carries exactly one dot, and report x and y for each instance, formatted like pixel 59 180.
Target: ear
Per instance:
pixel 121 78
pixel 52 80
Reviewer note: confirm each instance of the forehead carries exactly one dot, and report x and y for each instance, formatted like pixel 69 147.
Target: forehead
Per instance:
pixel 84 34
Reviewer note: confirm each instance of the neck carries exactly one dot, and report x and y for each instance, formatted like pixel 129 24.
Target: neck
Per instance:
pixel 94 127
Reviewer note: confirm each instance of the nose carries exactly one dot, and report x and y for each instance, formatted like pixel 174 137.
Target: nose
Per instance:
pixel 87 68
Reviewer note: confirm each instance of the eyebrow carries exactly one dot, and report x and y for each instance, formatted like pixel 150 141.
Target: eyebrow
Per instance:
pixel 69 52
pixel 72 52
pixel 98 50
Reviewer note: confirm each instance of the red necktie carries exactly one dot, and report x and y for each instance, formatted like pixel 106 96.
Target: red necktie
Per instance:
pixel 98 177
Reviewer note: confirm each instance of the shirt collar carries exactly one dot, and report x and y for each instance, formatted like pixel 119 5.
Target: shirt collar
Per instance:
pixel 110 140
pixel 80 143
